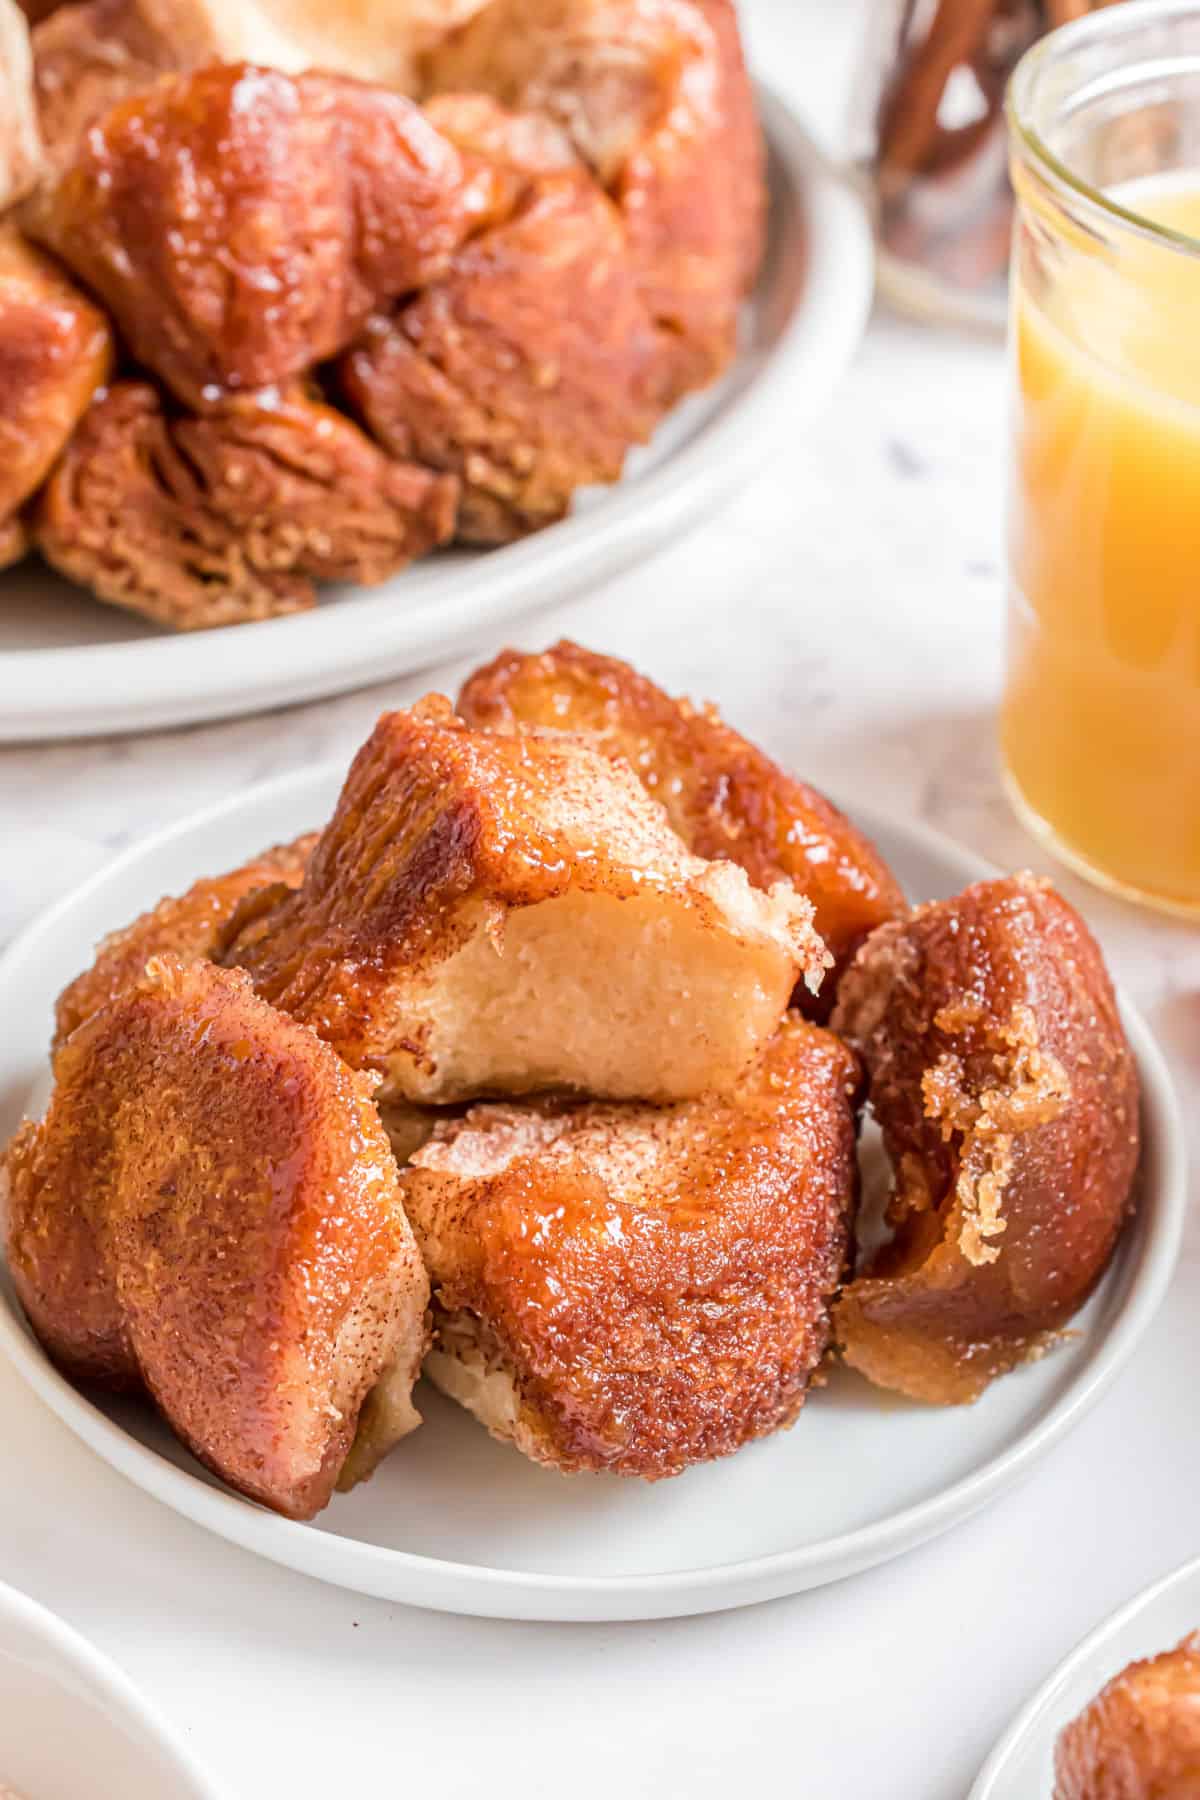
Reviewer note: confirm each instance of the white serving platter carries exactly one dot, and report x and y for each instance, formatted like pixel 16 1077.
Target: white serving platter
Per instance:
pixel 457 1521
pixel 71 667
pixel 1021 1767
pixel 72 1724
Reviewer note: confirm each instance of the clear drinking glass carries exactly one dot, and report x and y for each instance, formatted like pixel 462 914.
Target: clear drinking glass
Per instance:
pixel 1101 717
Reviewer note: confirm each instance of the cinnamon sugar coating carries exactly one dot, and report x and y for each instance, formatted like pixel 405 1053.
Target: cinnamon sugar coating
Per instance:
pixel 210 1210
pixel 55 351
pixel 1140 1737
pixel 722 795
pixel 187 925
pixel 1008 1100
pixel 634 1290
pixel 490 914
pixel 655 96
pixel 241 223
pixel 532 367
pixel 232 515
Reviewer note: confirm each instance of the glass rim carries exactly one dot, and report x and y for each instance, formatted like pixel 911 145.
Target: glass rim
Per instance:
pixel 1106 21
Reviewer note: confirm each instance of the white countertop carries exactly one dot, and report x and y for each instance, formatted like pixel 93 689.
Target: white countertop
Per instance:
pixel 848 609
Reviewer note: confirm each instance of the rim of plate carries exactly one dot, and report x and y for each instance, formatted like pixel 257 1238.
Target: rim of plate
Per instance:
pixel 1043 1700
pixel 53 693
pixel 108 1681
pixel 441 1583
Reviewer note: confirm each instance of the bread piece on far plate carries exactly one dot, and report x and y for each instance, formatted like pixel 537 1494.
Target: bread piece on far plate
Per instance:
pixel 634 1289
pixel 210 1210
pixel 187 925
pixel 1139 1739
pixel 498 914
pixel 722 794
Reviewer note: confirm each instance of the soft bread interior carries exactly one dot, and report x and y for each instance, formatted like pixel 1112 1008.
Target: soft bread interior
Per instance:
pixel 655 997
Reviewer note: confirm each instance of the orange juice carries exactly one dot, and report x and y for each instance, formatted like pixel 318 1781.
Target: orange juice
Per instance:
pixel 1101 722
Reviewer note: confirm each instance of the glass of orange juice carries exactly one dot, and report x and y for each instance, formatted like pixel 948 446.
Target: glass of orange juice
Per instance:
pixel 1100 726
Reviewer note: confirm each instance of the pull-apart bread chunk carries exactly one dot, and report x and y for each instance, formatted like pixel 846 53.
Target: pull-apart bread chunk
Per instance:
pixel 210 1210
pixel 188 926
pixel 655 96
pixel 634 1289
pixel 94 53
pixel 55 351
pixel 723 796
pixel 499 914
pixel 532 366
pixel 1008 1100
pixel 241 224
pixel 233 514
pixel 1140 1737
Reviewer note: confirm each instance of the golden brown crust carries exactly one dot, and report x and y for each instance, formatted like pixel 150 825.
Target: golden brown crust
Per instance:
pixel 1140 1737
pixel 320 197
pixel 488 913
pixel 210 1208
pixel 187 925
pixel 21 155
pixel 1008 1100
pixel 55 351
pixel 233 515
pixel 652 1286
pixel 530 370
pixel 655 96
pixel 723 796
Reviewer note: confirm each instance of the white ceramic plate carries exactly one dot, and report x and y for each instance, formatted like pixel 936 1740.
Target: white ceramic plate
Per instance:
pixel 456 1521
pixel 72 1724
pixel 70 666
pixel 1021 1767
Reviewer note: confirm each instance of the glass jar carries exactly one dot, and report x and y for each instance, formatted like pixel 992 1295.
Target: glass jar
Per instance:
pixel 1100 727
pixel 928 133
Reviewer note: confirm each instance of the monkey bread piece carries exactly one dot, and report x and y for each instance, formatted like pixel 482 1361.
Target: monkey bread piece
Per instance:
pixel 241 223
pixel 55 351
pixel 723 796
pixel 494 914
pixel 187 926
pixel 231 515
pixel 656 98
pixel 1140 1737
pixel 1008 1100
pixel 210 1208
pixel 97 52
pixel 631 1289
pixel 530 370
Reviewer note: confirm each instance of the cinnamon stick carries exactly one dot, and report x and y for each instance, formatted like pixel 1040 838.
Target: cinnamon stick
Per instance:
pixel 910 126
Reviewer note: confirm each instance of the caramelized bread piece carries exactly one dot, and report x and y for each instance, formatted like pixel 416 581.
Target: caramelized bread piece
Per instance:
pixel 97 52
pixel 488 913
pixel 655 96
pixel 55 351
pixel 233 515
pixel 210 1209
pixel 188 926
pixel 530 370
pixel 1140 1737
pixel 241 223
pixel 635 1290
pixel 721 794
pixel 1008 1100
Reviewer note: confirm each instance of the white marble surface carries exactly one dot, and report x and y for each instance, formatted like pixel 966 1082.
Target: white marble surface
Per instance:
pixel 848 610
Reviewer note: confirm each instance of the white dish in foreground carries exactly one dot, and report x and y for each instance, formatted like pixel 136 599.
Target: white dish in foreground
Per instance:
pixel 463 1523
pixel 72 1724
pixel 70 666
pixel 456 1521
pixel 1021 1767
